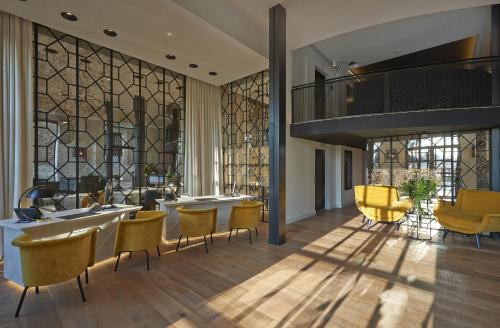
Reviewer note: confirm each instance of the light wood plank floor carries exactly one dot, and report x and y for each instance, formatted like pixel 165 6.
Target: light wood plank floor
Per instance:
pixel 332 272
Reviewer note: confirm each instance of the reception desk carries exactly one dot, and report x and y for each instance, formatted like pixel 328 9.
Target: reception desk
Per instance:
pixel 55 224
pixel 223 204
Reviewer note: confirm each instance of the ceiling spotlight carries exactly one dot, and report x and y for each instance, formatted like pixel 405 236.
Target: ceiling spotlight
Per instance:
pixel 110 32
pixel 171 56
pixel 169 34
pixel 213 73
pixel 69 16
pixel 397 51
pixel 353 64
pixel 193 65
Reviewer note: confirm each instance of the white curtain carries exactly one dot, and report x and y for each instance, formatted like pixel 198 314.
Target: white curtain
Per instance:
pixel 16 108
pixel 203 145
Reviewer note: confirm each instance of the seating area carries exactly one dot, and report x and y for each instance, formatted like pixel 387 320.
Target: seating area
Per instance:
pixel 305 163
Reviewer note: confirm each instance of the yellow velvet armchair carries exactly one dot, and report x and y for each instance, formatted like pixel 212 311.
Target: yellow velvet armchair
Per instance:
pixel 196 223
pixel 381 204
pixel 51 261
pixel 474 212
pixel 246 215
pixel 88 200
pixel 141 234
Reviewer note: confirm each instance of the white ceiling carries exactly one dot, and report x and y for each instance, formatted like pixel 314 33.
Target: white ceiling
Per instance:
pixel 142 28
pixel 397 38
pixel 226 36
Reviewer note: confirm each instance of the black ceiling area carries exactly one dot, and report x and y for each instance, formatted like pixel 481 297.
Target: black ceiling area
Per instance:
pixel 456 50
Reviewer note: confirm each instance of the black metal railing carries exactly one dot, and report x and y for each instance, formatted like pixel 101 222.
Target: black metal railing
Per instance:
pixel 447 85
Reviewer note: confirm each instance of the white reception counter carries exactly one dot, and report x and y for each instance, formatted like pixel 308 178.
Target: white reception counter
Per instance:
pixel 223 204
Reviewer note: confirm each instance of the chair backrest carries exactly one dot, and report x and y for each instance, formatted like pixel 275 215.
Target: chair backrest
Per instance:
pixel 197 222
pixel 150 197
pixel 88 200
pixel 50 261
pixel 480 202
pixel 375 195
pixel 143 233
pixel 246 215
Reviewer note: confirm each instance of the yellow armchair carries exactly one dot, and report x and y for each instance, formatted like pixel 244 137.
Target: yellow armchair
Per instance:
pixel 474 212
pixel 381 204
pixel 246 215
pixel 197 223
pixel 88 200
pixel 140 234
pixel 51 261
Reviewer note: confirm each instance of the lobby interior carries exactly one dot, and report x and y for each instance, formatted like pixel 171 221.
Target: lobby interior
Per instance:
pixel 264 163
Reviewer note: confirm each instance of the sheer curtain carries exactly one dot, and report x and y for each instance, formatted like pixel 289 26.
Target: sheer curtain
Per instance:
pixel 203 147
pixel 16 110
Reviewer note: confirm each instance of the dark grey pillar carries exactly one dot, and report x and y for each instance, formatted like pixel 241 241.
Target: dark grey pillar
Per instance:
pixel 140 141
pixel 277 124
pixel 495 92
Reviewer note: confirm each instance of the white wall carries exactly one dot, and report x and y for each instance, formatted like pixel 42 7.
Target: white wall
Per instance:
pixel 300 153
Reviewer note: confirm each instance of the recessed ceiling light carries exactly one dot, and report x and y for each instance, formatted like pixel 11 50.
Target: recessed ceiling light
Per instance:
pixel 193 65
pixel 171 56
pixel 213 73
pixel 110 32
pixel 397 51
pixel 69 16
pixel 85 61
pixel 169 34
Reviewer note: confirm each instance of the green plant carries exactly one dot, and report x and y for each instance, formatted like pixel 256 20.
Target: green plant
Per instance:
pixel 418 185
pixel 149 170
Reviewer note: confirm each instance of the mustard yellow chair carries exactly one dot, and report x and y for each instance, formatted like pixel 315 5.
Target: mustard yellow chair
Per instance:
pixel 246 215
pixel 51 261
pixel 196 223
pixel 381 204
pixel 139 235
pixel 88 200
pixel 474 212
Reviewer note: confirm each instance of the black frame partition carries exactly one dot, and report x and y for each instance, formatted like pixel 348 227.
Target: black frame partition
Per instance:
pixel 460 159
pixel 245 125
pixel 101 115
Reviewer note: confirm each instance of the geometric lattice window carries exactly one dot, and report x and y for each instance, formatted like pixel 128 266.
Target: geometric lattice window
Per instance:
pixel 245 125
pixel 101 116
pixel 460 159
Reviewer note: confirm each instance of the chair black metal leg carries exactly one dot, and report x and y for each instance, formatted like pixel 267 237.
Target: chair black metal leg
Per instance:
pixel 129 255
pixel 256 233
pixel 478 242
pixel 445 233
pixel 87 276
pixel 363 219
pixel 250 235
pixel 81 288
pixel 230 232
pixel 147 260
pixel 396 224
pixel 37 290
pixel 205 240
pixel 21 301
pixel 178 243
pixel 187 240
pixel 117 261
pixel 211 240
pixel 158 250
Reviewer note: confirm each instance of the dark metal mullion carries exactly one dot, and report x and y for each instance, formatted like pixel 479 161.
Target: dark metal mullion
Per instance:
pixel 390 161
pixel 164 141
pixel 139 142
pixel 77 125
pixel 35 101
pixel 111 138
pixel 245 139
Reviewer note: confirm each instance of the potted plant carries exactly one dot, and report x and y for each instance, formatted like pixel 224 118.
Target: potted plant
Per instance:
pixel 418 185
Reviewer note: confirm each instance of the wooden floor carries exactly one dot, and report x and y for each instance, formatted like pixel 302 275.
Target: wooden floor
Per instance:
pixel 332 272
